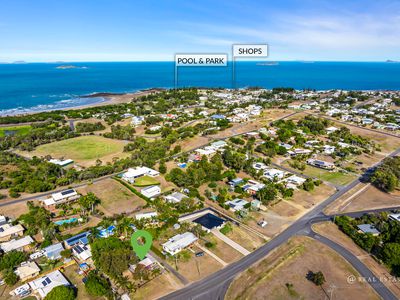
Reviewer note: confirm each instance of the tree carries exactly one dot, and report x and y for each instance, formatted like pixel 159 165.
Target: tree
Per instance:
pixel 308 185
pixel 9 277
pixel 12 259
pixel 391 254
pixel 88 201
pixel 267 194
pixel 96 285
pixel 317 278
pixel 162 168
pixel 66 253
pixel 61 292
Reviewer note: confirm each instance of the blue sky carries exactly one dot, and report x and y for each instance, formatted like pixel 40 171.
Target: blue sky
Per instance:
pixel 126 30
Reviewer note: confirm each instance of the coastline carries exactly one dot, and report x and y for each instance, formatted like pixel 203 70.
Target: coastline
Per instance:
pixel 103 99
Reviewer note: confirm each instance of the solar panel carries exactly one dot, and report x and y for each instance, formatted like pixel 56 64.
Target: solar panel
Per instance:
pixel 66 192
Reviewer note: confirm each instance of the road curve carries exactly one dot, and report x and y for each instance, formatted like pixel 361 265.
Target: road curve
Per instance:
pixel 365 273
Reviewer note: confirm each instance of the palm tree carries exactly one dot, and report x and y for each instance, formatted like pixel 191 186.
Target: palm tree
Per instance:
pixel 124 225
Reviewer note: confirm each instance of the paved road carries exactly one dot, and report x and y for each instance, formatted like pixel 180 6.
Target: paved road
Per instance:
pixel 216 285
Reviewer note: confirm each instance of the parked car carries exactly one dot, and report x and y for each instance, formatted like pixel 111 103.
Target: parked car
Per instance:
pixel 198 254
pixel 262 223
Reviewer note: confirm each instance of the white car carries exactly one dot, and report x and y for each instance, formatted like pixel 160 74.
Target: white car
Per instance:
pixel 262 223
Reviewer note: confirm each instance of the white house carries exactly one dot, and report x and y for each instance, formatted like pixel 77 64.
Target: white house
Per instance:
pixel 18 245
pixel 294 181
pixel 137 172
pixel 61 163
pixel 151 191
pixel 328 149
pixel 61 197
pixel 273 174
pixel 45 284
pixel 137 120
pixel 82 252
pixel 147 215
pixel 331 129
pixel 237 204
pixel 179 242
pixel 175 197
pixel 259 166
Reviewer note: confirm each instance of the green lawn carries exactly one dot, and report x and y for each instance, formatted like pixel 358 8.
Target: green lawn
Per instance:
pixel 145 181
pixel 338 178
pixel 84 148
pixel 18 130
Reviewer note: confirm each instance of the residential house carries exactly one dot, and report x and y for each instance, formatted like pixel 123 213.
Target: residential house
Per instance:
pixel 7 231
pixel 259 166
pixel 61 163
pixel 274 174
pixel 328 149
pixel 252 187
pixel 45 284
pixel 61 197
pixel 175 197
pixel 147 215
pixel 234 182
pixel 394 217
pixel 331 129
pixel 76 239
pixel 179 242
pixel 368 228
pixel 151 191
pixel 53 251
pixel 3 220
pixel 137 172
pixel 294 181
pixel 27 270
pixel 321 164
pixel 19 245
pixel 82 252
pixel 237 204
pixel 210 221
pixel 298 151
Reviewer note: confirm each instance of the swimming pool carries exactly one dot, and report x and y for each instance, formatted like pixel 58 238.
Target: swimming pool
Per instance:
pixel 61 222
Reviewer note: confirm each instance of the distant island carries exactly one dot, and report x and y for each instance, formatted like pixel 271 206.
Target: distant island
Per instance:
pixel 63 67
pixel 392 61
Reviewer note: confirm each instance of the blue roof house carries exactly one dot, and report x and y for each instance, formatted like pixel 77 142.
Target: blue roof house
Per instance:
pixel 79 238
pixel 53 251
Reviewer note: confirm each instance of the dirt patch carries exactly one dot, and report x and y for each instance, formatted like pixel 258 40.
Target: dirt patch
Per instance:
pixel 197 268
pixel 330 230
pixel 71 273
pixel 245 238
pixel 115 198
pixel 13 211
pixel 156 288
pixel 222 249
pixel 289 264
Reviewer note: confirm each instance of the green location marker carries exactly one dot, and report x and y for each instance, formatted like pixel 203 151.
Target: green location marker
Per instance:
pixel 141 249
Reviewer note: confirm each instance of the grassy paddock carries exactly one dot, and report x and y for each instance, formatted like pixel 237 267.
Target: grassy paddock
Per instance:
pixel 19 130
pixel 83 148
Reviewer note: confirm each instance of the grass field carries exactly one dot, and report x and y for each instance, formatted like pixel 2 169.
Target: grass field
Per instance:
pixel 85 149
pixel 17 130
pixel 337 178
pixel 145 181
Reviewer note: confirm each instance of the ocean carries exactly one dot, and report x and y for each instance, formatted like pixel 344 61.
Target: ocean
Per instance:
pixel 42 86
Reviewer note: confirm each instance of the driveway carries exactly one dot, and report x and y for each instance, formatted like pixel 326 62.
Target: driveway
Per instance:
pixel 231 243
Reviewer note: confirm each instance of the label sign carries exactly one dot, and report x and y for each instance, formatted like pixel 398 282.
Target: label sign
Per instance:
pixel 250 50
pixel 201 60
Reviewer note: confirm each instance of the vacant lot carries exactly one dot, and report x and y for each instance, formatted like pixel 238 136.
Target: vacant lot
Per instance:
pixel 115 197
pixel 337 178
pixel 197 268
pixel 76 279
pixel 245 238
pixel 290 264
pixel 363 197
pixel 156 288
pixel 332 232
pixel 221 249
pixel 84 150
